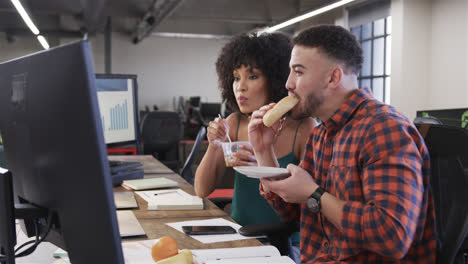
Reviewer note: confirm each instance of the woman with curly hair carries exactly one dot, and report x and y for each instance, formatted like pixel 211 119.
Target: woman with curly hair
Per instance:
pixel 252 72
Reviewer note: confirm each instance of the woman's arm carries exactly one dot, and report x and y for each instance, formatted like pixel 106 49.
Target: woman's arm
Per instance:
pixel 212 166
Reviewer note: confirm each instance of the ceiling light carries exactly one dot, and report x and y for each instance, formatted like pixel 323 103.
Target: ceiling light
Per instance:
pixel 25 16
pixel 305 16
pixel 43 42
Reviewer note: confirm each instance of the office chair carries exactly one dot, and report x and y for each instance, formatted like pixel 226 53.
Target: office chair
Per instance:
pixel 208 112
pixel 186 171
pixel 161 132
pixel 448 148
pixel 2 157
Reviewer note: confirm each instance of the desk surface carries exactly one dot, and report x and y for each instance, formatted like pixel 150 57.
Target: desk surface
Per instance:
pixel 150 164
pixel 153 222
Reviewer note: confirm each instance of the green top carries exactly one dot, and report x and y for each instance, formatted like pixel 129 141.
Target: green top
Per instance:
pixel 248 206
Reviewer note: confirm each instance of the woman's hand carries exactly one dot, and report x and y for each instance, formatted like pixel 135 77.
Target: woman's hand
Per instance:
pixel 217 131
pixel 245 157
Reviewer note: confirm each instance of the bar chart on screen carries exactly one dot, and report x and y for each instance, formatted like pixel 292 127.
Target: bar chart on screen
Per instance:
pixel 116 108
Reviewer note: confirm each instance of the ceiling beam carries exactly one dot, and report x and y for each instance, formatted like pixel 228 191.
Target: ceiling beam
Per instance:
pixel 234 20
pixel 158 11
pixel 93 15
pixel 45 33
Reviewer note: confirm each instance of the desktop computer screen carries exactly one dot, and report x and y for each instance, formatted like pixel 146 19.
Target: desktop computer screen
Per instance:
pixel 451 117
pixel 55 151
pixel 118 105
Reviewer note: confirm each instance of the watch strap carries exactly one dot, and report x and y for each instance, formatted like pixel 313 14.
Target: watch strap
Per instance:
pixel 318 193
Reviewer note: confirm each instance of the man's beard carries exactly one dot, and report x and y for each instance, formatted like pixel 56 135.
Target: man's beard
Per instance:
pixel 312 103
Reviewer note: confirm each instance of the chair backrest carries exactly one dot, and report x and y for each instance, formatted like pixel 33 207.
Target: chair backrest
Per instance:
pixel 2 157
pixel 186 171
pixel 209 111
pixel 448 148
pixel 161 132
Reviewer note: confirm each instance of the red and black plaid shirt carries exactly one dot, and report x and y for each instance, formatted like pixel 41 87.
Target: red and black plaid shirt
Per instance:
pixel 372 157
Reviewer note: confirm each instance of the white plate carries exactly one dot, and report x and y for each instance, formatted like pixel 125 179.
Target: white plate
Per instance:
pixel 261 172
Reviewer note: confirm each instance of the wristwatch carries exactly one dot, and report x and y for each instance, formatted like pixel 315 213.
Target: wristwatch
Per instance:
pixel 313 202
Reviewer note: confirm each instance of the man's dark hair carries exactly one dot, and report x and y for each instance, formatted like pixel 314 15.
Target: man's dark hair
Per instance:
pixel 270 53
pixel 337 42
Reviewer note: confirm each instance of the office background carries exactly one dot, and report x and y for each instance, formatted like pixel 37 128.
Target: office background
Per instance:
pixel 429 59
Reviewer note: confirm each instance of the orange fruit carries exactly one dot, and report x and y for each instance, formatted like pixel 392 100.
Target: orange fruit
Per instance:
pixel 164 248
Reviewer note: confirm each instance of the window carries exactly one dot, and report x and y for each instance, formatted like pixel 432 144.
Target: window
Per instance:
pixel 375 38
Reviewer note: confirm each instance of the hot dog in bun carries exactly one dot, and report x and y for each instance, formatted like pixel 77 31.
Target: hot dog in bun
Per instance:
pixel 281 108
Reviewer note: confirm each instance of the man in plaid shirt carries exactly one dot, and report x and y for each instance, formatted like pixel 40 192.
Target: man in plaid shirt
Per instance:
pixel 361 192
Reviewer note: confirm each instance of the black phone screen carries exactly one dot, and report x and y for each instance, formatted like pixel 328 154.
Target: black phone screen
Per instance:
pixel 208 230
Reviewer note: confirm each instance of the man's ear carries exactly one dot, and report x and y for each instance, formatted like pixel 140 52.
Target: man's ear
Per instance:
pixel 335 76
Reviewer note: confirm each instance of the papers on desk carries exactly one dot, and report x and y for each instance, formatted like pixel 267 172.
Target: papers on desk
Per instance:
pixel 211 238
pixel 171 199
pixel 140 252
pixel 125 200
pixel 137 252
pixel 151 183
pixel 253 255
pixel 128 224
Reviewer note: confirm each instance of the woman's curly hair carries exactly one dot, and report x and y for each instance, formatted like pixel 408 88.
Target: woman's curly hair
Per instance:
pixel 270 53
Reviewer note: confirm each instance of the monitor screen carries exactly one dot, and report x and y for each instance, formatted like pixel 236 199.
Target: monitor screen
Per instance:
pixel 450 117
pixel 118 105
pixel 55 150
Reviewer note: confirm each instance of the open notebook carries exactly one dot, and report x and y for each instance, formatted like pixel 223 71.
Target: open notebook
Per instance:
pixel 171 199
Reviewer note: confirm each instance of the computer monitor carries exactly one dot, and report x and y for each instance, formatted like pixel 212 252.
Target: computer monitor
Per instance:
pixel 451 117
pixel 55 150
pixel 118 105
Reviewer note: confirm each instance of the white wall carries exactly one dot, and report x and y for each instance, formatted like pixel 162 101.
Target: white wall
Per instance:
pixel 411 55
pixel 429 60
pixel 449 85
pixel 166 67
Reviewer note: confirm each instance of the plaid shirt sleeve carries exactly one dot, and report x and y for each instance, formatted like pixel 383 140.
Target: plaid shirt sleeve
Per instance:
pixel 288 212
pixel 392 185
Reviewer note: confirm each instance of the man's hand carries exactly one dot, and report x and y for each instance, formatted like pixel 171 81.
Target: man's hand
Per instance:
pixel 294 189
pixel 260 136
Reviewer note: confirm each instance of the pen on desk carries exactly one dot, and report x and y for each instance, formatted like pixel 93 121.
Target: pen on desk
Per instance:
pixel 165 192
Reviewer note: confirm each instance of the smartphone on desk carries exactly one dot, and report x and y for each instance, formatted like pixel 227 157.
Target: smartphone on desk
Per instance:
pixel 208 230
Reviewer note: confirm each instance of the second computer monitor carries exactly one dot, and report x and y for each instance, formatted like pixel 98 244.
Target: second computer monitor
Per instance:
pixel 118 104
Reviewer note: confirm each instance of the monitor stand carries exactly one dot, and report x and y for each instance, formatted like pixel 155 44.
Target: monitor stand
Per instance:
pixel 8 213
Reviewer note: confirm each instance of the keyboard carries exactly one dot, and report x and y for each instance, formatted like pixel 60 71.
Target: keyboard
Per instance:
pixel 119 166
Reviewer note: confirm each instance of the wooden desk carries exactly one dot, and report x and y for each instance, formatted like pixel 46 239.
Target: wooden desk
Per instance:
pixel 153 222
pixel 150 164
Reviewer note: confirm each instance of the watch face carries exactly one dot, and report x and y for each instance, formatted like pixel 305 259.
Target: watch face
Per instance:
pixel 313 205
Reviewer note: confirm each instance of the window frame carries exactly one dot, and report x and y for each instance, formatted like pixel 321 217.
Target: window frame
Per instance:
pixel 385 76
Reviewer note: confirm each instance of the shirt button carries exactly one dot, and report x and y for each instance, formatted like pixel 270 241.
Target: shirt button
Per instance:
pixel 325 247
